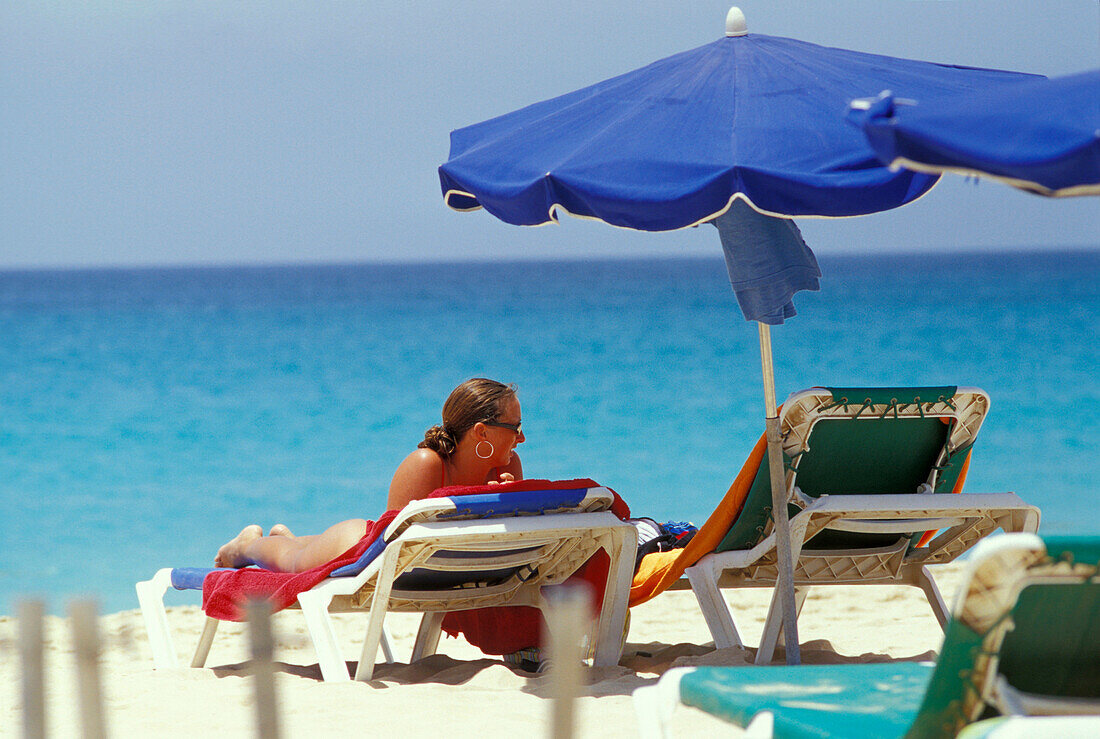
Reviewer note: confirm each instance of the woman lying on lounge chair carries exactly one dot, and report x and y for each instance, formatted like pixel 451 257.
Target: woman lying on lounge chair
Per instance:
pixel 474 446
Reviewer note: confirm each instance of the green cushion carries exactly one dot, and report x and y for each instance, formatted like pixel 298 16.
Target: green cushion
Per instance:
pixel 1054 648
pixel 748 529
pixel 870 456
pixel 867 455
pixel 953 467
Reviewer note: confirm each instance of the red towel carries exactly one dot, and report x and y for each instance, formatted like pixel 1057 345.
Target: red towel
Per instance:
pixel 506 629
pixel 225 593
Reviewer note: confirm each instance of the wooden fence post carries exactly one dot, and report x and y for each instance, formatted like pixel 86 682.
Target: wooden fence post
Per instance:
pixel 263 669
pixel 86 644
pixel 31 613
pixel 569 616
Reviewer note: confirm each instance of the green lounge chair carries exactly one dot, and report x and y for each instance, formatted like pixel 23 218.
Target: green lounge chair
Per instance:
pixel 1023 641
pixel 868 472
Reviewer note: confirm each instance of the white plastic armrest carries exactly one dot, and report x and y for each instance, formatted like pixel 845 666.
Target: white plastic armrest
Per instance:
pixel 150 595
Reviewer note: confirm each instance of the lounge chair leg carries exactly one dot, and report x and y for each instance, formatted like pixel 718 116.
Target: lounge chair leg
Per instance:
pixel 315 605
pixel 202 651
pixel 704 584
pixel 799 601
pixel 150 595
pixel 773 625
pixel 387 650
pixel 378 606
pixel 928 585
pixel 427 637
pixel 623 544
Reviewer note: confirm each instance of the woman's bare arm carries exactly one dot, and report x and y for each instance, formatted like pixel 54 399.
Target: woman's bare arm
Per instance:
pixel 511 471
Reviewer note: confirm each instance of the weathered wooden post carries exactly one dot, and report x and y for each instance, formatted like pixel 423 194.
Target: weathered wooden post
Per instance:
pixel 263 668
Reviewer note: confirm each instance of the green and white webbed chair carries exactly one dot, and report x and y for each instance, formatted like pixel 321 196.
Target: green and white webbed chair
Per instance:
pixel 869 476
pixel 1020 657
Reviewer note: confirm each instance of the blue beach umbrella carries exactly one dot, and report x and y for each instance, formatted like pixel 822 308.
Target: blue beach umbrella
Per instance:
pixel 745 132
pixel 1042 136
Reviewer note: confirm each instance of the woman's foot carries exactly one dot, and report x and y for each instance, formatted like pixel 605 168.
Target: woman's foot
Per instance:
pixel 232 552
pixel 280 529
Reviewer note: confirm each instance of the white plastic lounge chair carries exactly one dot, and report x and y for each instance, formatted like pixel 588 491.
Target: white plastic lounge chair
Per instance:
pixel 868 471
pixel 449 554
pixel 1034 727
pixel 1023 642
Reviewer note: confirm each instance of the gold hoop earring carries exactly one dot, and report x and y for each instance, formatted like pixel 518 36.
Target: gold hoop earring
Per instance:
pixel 492 449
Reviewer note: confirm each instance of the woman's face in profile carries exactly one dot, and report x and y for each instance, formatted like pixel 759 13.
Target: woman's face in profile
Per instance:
pixel 504 439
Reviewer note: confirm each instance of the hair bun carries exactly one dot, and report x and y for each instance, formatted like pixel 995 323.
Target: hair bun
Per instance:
pixel 439 440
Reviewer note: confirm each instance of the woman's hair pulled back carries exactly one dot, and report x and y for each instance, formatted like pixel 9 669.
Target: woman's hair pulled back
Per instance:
pixel 473 401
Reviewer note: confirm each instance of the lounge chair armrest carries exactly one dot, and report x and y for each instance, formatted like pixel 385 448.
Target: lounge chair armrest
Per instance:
pixel 915 505
pixel 893 526
pixel 1015 702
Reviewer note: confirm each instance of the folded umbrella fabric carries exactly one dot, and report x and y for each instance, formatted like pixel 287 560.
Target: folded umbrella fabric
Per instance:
pixel 768 262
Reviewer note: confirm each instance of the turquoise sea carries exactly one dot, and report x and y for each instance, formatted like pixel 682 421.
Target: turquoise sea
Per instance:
pixel 147 414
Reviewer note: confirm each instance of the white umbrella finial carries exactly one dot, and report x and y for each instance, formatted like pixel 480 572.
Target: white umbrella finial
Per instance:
pixel 735 22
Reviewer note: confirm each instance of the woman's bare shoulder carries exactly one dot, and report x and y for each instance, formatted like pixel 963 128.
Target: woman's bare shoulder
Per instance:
pixel 421 465
pixel 419 474
pixel 422 457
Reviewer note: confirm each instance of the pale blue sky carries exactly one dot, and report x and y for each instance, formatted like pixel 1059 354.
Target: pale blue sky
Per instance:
pixel 141 132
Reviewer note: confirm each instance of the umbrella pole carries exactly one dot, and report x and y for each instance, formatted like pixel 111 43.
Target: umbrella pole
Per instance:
pixel 785 580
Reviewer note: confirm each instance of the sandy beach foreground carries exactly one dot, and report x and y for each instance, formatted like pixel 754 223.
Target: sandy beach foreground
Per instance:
pixel 458 692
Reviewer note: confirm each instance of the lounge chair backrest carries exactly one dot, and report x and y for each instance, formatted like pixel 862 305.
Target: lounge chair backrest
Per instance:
pixel 1053 648
pixel 483 506
pixel 863 441
pixel 1024 637
pixel 541 502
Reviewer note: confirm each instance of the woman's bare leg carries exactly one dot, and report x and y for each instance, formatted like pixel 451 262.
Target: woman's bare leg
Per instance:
pixel 290 553
pixel 280 529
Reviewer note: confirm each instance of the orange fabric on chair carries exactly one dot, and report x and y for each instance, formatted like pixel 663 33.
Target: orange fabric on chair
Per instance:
pixel 660 570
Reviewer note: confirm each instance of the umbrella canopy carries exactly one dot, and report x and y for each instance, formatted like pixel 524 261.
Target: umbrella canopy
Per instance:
pixel 1042 136
pixel 671 144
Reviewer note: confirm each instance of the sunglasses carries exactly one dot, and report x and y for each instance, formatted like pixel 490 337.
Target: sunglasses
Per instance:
pixel 516 427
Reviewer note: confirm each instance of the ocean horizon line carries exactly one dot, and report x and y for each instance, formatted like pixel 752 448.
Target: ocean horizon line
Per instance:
pixel 969 252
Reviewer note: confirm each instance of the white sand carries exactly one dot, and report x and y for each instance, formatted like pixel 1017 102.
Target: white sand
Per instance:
pixel 456 693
